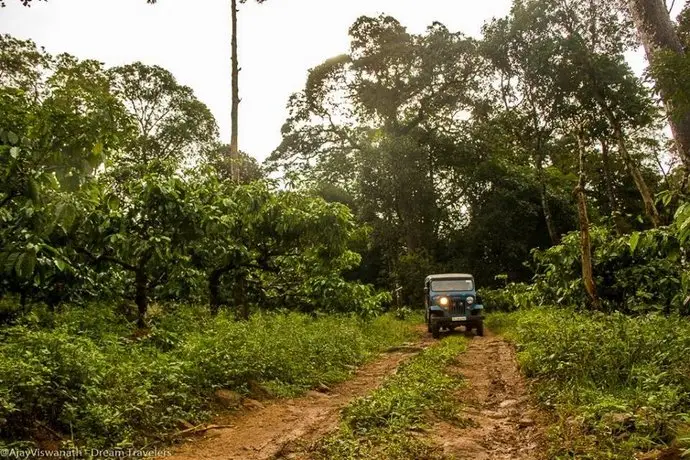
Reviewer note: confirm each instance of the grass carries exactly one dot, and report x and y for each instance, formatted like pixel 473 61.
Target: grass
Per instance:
pixel 386 423
pixel 82 373
pixel 616 384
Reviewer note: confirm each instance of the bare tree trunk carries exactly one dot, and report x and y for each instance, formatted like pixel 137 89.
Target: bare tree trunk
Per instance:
pixel 141 296
pixel 553 234
pixel 610 192
pixel 647 198
pixel 240 298
pixel 630 164
pixel 658 35
pixel 234 143
pixel 585 243
pixel 215 300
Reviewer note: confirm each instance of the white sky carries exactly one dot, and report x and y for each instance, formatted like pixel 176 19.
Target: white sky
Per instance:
pixel 278 42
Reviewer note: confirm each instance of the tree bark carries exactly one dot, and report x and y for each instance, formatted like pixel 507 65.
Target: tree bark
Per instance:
pixel 630 164
pixel 647 198
pixel 585 243
pixel 141 296
pixel 553 234
pixel 658 35
pixel 240 299
pixel 215 300
pixel 234 143
pixel 610 192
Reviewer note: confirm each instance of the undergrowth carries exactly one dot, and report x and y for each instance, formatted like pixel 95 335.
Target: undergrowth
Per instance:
pixel 617 385
pixel 86 377
pixel 386 423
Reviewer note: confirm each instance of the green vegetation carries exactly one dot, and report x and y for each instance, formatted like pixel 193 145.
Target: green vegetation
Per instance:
pixel 137 206
pixel 617 377
pixel 382 425
pixel 617 384
pixel 83 374
pixel 637 273
pixel 410 154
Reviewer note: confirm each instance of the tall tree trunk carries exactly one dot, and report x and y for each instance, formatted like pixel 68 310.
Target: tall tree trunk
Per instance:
pixel 240 298
pixel 657 33
pixel 647 198
pixel 141 296
pixel 234 143
pixel 630 164
pixel 610 192
pixel 553 234
pixel 585 243
pixel 684 184
pixel 215 300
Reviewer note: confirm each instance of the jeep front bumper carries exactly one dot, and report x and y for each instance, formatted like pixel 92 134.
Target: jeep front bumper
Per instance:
pixel 457 320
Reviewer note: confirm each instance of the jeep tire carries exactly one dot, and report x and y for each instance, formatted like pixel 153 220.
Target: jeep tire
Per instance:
pixel 436 330
pixel 480 329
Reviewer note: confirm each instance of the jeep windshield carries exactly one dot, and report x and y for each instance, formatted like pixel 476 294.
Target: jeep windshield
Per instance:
pixel 452 285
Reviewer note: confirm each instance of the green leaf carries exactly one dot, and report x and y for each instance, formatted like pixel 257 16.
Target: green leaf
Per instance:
pixel 25 265
pixel 60 264
pixel 53 181
pixel 97 148
pixel 634 240
pixel 33 190
pixel 11 261
pixel 14 152
pixel 12 138
pixel 65 215
pixel 113 203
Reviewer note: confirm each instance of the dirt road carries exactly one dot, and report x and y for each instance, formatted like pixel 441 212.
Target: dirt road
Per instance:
pixel 505 426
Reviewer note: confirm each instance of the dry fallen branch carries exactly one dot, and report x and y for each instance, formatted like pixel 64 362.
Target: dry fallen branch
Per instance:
pixel 200 429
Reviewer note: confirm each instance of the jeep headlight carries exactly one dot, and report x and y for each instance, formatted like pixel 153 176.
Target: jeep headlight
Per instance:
pixel 470 300
pixel 444 301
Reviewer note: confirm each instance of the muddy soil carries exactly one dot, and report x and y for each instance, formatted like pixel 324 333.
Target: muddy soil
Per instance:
pixel 283 427
pixel 503 423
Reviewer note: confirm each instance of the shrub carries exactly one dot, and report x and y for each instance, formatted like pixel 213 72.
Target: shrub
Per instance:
pixel 618 384
pixel 634 274
pixel 105 388
pixel 510 298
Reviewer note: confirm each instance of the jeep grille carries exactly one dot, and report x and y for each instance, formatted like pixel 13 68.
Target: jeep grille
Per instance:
pixel 458 307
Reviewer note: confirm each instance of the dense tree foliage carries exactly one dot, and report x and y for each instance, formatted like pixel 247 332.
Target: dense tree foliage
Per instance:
pixel 137 205
pixel 462 154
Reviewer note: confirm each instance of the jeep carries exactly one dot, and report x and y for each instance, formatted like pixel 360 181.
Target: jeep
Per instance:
pixel 451 300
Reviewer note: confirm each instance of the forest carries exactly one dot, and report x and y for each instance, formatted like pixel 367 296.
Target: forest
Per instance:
pixel 148 270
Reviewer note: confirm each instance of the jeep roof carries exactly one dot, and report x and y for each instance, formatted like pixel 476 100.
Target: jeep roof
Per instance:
pixel 447 276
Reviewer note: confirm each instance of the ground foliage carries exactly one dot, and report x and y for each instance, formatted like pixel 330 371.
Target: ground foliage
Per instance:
pixel 616 384
pixel 383 424
pixel 83 375
pixel 616 379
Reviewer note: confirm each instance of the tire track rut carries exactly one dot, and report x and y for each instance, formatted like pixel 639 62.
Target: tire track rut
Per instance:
pixel 504 425
pixel 283 425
